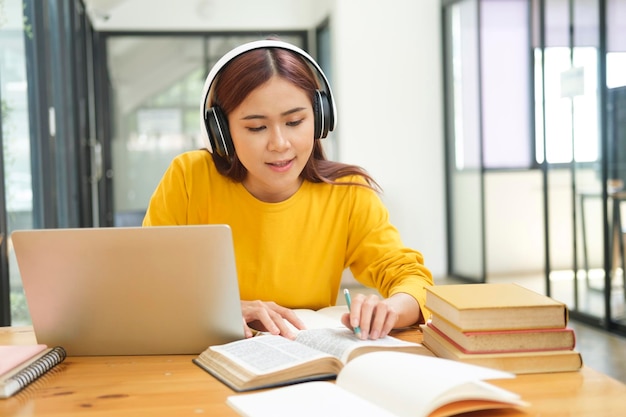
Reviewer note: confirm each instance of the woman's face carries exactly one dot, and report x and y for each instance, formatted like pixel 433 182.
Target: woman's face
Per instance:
pixel 272 130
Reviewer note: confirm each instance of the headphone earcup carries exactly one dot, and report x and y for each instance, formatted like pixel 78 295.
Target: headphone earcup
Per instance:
pixel 216 125
pixel 322 113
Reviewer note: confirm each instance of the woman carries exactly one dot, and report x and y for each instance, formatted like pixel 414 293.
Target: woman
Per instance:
pixel 298 220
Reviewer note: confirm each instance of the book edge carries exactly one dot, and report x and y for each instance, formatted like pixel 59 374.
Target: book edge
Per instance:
pixel 468 320
pixel 471 358
pixel 479 352
pixel 236 388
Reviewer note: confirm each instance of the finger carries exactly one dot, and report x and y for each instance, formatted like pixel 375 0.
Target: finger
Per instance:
pixel 385 318
pixel 345 320
pixel 366 314
pixel 290 316
pixel 279 324
pixel 247 331
pixel 268 322
pixel 352 319
pixel 378 321
pixel 284 329
pixel 390 322
pixel 355 310
pixel 285 319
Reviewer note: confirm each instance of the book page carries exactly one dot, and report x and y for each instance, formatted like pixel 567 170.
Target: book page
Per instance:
pixel 334 312
pixel 383 384
pixel 325 318
pixel 310 399
pixel 267 353
pixel 341 342
pixel 415 385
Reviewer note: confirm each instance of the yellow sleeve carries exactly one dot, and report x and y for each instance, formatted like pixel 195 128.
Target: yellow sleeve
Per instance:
pixel 377 256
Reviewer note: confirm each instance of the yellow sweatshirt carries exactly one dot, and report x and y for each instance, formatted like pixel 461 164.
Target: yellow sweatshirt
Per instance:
pixel 293 252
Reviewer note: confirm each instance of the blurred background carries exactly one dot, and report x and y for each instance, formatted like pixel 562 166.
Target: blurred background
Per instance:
pixel 496 128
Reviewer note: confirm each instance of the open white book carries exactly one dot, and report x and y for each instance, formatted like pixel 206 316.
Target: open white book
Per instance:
pixel 319 352
pixel 386 384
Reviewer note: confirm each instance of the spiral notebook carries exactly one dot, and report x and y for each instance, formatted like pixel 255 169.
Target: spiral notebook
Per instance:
pixel 131 290
pixel 28 366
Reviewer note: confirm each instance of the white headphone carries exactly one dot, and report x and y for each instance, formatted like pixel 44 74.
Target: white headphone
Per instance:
pixel 214 124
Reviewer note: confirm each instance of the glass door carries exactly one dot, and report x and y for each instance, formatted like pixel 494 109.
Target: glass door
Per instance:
pixel 16 195
pixel 44 89
pixel 580 67
pixel 465 187
pixel 614 78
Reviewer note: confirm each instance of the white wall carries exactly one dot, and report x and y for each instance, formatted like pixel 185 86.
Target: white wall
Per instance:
pixel 387 78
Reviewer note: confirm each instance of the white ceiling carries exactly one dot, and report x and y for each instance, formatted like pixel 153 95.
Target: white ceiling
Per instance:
pixel 206 15
pixel 101 9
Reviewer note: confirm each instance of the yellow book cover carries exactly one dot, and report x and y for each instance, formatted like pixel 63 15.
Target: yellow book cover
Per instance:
pixel 478 307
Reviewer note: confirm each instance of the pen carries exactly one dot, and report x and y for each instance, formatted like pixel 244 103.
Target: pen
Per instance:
pixel 346 293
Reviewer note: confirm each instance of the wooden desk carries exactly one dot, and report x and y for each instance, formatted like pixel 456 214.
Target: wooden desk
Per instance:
pixel 173 386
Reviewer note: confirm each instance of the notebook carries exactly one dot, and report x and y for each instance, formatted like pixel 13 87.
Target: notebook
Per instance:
pixel 131 290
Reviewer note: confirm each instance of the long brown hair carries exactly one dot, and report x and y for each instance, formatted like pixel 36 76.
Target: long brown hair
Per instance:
pixel 252 69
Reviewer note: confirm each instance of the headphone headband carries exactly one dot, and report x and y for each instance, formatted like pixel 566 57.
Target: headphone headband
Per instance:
pixel 250 46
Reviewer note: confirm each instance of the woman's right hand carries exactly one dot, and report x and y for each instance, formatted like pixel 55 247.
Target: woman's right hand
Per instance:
pixel 267 316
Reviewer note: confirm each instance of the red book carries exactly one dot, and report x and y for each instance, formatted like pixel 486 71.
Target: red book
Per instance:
pixel 524 362
pixel 493 341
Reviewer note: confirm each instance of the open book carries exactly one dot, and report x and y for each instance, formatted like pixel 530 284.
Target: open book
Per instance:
pixel 319 352
pixel 386 384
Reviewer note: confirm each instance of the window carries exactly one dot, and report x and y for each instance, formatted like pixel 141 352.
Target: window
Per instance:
pixel 571 122
pixel 15 143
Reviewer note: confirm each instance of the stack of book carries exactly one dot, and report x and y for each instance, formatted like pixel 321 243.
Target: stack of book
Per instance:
pixel 501 326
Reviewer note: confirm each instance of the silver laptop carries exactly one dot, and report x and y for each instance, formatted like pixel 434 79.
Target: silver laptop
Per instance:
pixel 131 290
